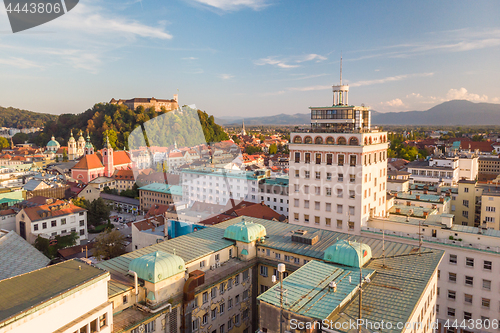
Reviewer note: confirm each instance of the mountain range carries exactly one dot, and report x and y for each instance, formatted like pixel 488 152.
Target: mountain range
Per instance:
pixel 455 112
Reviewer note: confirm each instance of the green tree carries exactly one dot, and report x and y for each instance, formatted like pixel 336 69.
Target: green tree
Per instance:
pixel 20 138
pixel 109 244
pixel 81 202
pixel 98 211
pixel 113 138
pixel 273 149
pixel 4 143
pixel 235 139
pixel 65 155
pixel 131 193
pixel 250 150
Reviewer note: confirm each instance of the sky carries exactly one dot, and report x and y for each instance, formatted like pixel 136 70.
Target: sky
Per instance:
pixel 247 58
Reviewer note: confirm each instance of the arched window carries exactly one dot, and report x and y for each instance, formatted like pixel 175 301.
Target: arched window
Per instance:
pixel 308 139
pixel 366 141
pixel 385 139
pixel 297 139
pixel 318 140
pixel 330 141
pixel 341 141
pixel 353 141
pixel 370 140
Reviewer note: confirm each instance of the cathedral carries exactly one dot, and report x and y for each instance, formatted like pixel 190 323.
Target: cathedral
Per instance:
pixel 101 163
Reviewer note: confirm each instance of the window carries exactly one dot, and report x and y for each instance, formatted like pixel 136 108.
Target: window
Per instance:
pixel 453 259
pixel 487 265
pixel 287 258
pixel 466 189
pixel 317 205
pixel 352 178
pixel 230 324
pixel 195 325
pixel 221 308
pixel 352 194
pixel 35 227
pixel 296 261
pixel 214 313
pixel 229 303
pixel 217 257
pixel 222 288
pixel 205 319
pixel 307 158
pixel 341 177
pixel 485 303
pixel 490 209
pixel 44 225
pixel 237 319
pixel 328 221
pixel 452 294
pixel 245 294
pixel 329 159
pixel 452 277
pixel 467 315
pixel 316 220
pixel 307 174
pixel 468 298
pixel 237 299
pixel 306 203
pixel 350 225
pixel 451 312
pixel 465 203
pixel 245 275
pixel 297 174
pixel 351 210
pixel 263 270
pixel 82 223
pixel 339 209
pixel 297 157
pixel 245 314
pixel 296 216
pixel 53 223
pixel 328 192
pixel 487 284
pixel 277 256
pixel 318 158
pixel 306 189
pixel 205 297
pixel 340 193
pixel 230 253
pixel 328 176
pixel 339 224
pixel 352 160
pixel 82 232
pixel 469 262
pixel 306 218
pixel 229 284
pixel 213 292
pixel 465 214
pixel 340 160
pixel 328 207
pixel 469 281
pixel 63 221
pixel 317 190
pixel 318 175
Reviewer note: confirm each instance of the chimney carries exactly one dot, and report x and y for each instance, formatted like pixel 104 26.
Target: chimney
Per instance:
pixel 417 197
pixel 441 200
pixel 398 210
pixel 426 214
pixel 408 203
pixel 425 192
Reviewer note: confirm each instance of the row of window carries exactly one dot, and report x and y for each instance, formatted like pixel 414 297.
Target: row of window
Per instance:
pixel 468 299
pixel 353 141
pixel 227 286
pixel 469 262
pixel 287 258
pixel 328 221
pixel 54 224
pixel 329 158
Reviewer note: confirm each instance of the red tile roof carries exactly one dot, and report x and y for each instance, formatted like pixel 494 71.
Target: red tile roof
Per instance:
pixel 121 157
pixel 59 208
pixel 124 174
pixel 148 224
pixel 87 162
pixel 158 210
pixel 7 212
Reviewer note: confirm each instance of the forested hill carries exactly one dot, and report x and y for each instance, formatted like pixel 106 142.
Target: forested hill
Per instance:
pixel 116 120
pixel 17 118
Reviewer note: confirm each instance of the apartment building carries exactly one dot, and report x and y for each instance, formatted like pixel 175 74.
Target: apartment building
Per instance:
pixel 208 281
pixel 338 168
pixel 274 193
pixel 53 218
pixel 489 167
pixel 435 171
pixel 218 185
pixel 68 297
pixel 468 274
pixel 159 194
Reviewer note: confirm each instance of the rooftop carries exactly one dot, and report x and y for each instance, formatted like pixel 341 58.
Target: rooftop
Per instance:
pixel 38 289
pixel 163 188
pixel 433 198
pixel 119 198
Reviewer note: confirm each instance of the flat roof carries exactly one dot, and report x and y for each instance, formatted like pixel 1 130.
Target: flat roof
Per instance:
pixel 119 198
pixel 163 188
pixel 31 292
pixel 422 197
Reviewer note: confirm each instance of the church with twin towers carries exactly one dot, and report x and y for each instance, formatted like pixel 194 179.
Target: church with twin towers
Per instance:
pixel 338 167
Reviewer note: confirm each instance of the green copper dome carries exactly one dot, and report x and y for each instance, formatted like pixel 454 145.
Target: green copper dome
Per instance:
pixel 53 143
pixel 157 266
pixel 246 232
pixel 348 253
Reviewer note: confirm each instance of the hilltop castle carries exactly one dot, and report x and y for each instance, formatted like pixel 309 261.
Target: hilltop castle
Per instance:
pixel 168 104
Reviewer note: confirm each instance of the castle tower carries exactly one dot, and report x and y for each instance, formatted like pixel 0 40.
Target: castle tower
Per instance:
pixel 80 146
pixel 107 159
pixel 72 147
pixel 89 148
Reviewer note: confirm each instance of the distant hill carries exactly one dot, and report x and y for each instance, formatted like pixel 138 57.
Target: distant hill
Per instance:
pixel 457 112
pixel 280 119
pixel 17 118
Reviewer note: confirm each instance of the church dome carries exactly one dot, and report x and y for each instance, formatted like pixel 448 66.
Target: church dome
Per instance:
pixel 53 143
pixel 71 138
pixel 245 231
pixel 348 253
pixel 157 266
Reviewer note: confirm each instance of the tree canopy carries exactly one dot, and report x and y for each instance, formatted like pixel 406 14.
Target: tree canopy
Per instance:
pixel 109 244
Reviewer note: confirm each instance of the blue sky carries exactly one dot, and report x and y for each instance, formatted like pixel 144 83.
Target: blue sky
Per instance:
pixel 254 57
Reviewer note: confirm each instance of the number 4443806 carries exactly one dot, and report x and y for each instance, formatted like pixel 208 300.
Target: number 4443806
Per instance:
pixel 40 8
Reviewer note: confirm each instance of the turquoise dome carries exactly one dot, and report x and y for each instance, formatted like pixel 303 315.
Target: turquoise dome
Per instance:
pixel 348 253
pixel 53 143
pixel 157 266
pixel 246 232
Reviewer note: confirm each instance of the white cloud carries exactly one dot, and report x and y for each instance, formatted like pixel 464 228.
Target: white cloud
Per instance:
pixel 462 93
pixel 414 95
pixel 19 63
pixel 388 79
pixel 290 62
pixel 394 103
pixel 189 58
pixel 225 76
pixel 232 5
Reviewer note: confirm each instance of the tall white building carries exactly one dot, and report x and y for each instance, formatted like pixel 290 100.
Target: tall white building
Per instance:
pixel 338 167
